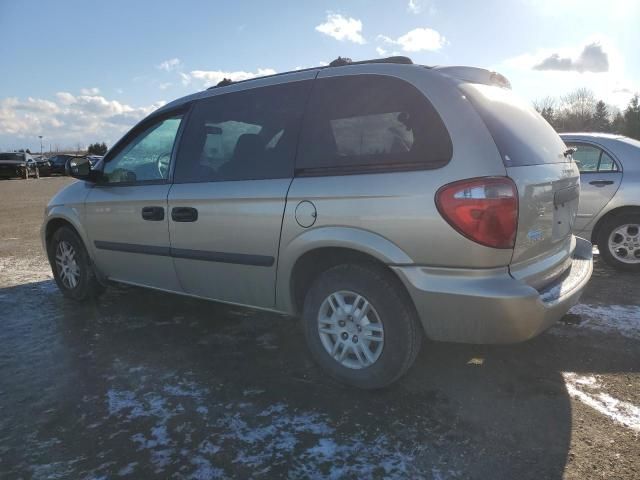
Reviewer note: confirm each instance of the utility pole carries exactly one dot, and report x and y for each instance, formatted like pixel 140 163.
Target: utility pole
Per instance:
pixel 40 137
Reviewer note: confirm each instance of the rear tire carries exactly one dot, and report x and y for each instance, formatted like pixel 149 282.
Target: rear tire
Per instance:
pixel 619 242
pixel 72 267
pixel 390 331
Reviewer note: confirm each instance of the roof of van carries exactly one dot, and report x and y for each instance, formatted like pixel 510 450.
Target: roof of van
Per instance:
pixel 469 74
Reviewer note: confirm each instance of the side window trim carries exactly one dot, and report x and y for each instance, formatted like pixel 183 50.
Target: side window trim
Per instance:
pixel 143 125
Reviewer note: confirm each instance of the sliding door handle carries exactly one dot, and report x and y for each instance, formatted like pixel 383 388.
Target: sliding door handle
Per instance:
pixel 184 214
pixel 153 214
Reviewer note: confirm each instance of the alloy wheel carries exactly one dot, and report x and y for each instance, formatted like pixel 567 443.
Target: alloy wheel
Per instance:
pixel 350 329
pixel 624 243
pixel 68 268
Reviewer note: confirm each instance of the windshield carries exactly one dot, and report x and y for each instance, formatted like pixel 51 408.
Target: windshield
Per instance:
pixel 11 156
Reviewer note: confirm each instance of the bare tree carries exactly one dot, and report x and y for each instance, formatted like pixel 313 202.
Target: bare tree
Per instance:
pixel 578 108
pixel 547 108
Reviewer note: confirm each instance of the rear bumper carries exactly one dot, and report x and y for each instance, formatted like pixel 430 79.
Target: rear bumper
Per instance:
pixel 490 306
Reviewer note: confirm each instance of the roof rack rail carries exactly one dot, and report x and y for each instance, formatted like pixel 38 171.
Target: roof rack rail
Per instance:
pixel 340 61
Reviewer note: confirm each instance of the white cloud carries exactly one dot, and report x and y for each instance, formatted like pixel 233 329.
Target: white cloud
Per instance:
pixel 212 77
pixel 66 120
pixel 417 40
pixel 184 78
pixel 595 64
pixel 381 51
pixel 169 65
pixel 90 91
pixel 414 6
pixel 342 28
pixel 165 85
pixel 418 6
pixel 592 58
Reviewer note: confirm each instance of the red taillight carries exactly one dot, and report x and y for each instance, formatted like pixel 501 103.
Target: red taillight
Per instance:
pixel 484 210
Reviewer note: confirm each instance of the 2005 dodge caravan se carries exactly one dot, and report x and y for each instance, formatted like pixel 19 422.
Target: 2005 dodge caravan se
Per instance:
pixel 378 200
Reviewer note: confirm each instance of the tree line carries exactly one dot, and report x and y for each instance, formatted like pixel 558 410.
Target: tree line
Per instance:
pixel 97 148
pixel 581 111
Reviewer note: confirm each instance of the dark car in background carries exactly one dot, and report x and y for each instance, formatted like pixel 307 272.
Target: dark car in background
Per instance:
pixel 59 162
pixel 18 164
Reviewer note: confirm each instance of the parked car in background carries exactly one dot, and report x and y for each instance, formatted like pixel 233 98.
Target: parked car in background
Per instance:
pixel 380 201
pixel 609 211
pixel 59 162
pixel 44 166
pixel 18 164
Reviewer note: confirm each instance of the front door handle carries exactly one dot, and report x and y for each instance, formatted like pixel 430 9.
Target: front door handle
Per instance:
pixel 184 214
pixel 601 183
pixel 153 214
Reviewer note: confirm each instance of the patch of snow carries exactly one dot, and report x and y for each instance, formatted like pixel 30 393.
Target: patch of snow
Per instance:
pixel 127 469
pixel 252 391
pixel 587 390
pixel 619 319
pixel 19 271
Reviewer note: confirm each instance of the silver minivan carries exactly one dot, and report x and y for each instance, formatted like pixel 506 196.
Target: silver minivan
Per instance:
pixel 380 201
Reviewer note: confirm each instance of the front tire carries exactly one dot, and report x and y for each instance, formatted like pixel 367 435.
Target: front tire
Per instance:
pixel 619 242
pixel 360 326
pixel 71 265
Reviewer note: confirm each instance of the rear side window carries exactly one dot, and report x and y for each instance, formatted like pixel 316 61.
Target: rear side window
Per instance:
pixel 371 122
pixel 248 135
pixel 591 159
pixel 522 136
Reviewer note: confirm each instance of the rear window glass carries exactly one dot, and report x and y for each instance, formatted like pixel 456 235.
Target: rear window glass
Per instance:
pixel 522 136
pixel 371 121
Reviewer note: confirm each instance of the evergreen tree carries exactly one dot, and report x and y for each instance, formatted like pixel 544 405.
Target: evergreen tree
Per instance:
pixel 601 122
pixel 617 124
pixel 632 118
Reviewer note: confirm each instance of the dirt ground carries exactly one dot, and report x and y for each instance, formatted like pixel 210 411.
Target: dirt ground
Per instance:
pixel 143 384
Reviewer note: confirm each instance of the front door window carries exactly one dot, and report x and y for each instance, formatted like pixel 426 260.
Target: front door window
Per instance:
pixel 146 157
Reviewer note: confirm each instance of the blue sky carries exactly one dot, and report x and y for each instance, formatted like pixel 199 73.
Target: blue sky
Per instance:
pixel 86 71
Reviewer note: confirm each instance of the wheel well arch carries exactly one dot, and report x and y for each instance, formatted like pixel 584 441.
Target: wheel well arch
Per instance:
pixel 312 263
pixel 56 224
pixel 612 213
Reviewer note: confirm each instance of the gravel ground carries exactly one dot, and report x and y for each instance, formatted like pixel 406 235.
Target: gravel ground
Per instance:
pixel 144 384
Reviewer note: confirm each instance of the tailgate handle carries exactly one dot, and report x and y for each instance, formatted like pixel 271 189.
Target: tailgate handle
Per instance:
pixel 153 214
pixel 601 183
pixel 566 195
pixel 184 214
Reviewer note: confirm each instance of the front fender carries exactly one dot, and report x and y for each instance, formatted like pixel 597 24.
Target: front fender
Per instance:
pixel 330 237
pixel 69 214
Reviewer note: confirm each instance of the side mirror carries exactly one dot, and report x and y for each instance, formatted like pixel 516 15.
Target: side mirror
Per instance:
pixel 79 168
